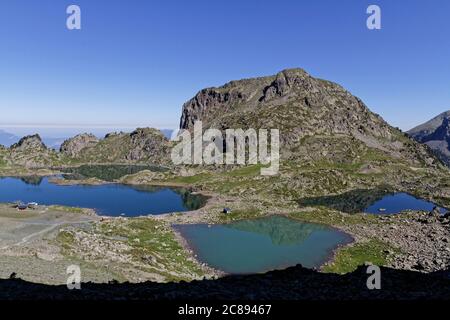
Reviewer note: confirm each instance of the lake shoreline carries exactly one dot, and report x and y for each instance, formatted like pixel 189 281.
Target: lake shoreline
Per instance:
pixel 347 240
pixel 361 232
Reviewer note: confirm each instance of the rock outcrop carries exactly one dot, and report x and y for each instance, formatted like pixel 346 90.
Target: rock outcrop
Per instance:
pixel 147 143
pixel 73 146
pixel 144 145
pixel 29 143
pixel 31 152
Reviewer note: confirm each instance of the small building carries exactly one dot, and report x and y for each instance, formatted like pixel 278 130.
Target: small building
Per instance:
pixel 226 210
pixel 32 205
pixel 22 206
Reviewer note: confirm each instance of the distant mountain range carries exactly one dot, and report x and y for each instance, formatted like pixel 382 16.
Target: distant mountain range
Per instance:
pixel 7 139
pixel 436 134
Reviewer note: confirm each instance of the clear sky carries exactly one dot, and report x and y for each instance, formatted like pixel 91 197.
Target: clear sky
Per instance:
pixel 135 62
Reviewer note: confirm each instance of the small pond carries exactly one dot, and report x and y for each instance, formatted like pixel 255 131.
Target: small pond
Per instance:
pixel 259 245
pixel 398 202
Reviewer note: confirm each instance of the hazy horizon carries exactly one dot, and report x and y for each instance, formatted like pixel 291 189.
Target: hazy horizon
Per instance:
pixel 54 137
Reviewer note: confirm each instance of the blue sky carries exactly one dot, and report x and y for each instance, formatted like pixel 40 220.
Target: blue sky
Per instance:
pixel 135 62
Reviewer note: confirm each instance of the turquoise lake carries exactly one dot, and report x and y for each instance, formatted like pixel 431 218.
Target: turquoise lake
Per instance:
pixel 259 245
pixel 108 199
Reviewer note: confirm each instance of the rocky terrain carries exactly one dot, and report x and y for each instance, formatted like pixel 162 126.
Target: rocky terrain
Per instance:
pixel 144 145
pixel 435 134
pixel 418 241
pixel 73 147
pixel 300 106
pixel 38 245
pixel 332 144
pixel 30 152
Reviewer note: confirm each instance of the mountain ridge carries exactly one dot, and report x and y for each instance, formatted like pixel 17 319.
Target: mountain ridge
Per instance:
pixel 435 133
pixel 141 145
pixel 301 106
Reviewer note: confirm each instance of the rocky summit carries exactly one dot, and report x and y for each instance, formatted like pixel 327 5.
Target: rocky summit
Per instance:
pixel 31 152
pixel 73 147
pixel 29 143
pixel 300 106
pixel 142 145
pixel 436 134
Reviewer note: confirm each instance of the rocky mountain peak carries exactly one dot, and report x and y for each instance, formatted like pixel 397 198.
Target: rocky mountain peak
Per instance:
pixel 27 143
pixel 147 142
pixel 73 146
pixel 287 81
pixel 143 145
pixel 441 133
pixel 429 127
pixel 291 99
pixel 436 134
pixel 299 106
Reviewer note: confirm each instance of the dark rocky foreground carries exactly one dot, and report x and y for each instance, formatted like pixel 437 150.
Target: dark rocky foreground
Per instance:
pixel 295 283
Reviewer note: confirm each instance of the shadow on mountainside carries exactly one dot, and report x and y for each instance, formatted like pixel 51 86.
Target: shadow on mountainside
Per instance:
pixel 295 283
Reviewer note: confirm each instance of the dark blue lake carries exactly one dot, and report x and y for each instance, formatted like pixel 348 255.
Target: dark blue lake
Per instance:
pixel 259 245
pixel 108 199
pixel 398 202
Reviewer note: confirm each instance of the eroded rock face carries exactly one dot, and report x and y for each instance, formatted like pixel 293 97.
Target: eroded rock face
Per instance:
pixel 146 143
pixel 29 143
pixel 31 152
pixel 300 106
pixel 73 146
pixel 296 101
